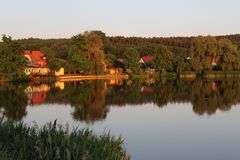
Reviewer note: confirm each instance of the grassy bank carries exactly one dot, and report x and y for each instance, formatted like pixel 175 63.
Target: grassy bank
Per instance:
pixel 18 141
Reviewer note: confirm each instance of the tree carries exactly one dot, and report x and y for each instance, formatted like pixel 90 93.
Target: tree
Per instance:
pixel 12 61
pixel 77 60
pixel 86 54
pixel 180 65
pixel 54 63
pixel 95 52
pixel 111 60
pixel 80 41
pixel 230 59
pixel 132 58
pixel 205 49
pixel 202 52
pixel 164 60
pixel 102 35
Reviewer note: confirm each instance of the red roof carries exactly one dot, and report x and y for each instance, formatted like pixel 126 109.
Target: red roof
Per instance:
pixel 36 58
pixel 147 59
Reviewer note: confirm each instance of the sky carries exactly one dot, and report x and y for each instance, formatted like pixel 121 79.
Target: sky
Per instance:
pixel 145 18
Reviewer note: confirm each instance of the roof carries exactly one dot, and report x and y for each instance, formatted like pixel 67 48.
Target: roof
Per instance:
pixel 34 53
pixel 36 58
pixel 147 59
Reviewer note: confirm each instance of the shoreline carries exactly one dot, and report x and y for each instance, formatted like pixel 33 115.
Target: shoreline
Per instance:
pixel 72 78
pixel 69 78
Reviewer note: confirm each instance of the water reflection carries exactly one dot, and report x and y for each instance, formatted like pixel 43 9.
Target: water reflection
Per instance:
pixel 13 101
pixel 91 99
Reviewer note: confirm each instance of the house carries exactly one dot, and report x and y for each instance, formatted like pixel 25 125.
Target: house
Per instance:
pixel 37 63
pixel 146 59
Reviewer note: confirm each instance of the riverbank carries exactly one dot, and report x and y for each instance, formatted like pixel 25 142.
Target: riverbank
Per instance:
pixel 19 141
pixel 167 75
pixel 69 78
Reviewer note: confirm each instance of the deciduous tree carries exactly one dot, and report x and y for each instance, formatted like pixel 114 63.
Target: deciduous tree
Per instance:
pixel 132 58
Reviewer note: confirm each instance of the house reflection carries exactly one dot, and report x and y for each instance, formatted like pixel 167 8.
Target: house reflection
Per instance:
pixel 91 100
pixel 113 82
pixel 37 93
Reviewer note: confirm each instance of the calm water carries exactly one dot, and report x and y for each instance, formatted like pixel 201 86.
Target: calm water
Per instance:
pixel 166 120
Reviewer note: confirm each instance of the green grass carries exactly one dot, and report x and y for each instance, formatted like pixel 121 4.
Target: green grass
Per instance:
pixel 53 142
pixel 4 155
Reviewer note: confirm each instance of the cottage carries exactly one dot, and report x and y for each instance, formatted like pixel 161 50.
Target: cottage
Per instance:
pixel 37 63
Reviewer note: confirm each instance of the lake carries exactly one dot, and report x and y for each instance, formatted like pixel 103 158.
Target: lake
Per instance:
pixel 165 119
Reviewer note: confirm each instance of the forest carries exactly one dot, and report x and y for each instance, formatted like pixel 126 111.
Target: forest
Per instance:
pixel 90 52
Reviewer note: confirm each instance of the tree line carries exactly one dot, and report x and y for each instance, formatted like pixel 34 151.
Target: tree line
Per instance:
pixel 91 52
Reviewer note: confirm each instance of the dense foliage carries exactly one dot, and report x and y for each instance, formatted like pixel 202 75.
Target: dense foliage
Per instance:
pixel 204 49
pixel 131 60
pixel 12 62
pixel 173 54
pixel 91 52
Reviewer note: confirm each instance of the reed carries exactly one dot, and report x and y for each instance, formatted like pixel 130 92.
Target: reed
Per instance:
pixel 53 142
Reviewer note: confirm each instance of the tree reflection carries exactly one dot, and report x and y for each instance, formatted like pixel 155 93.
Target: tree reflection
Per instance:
pixel 206 96
pixel 13 101
pixel 91 99
pixel 87 98
pixel 207 99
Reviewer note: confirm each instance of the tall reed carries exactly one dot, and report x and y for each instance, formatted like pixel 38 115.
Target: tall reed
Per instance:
pixel 53 142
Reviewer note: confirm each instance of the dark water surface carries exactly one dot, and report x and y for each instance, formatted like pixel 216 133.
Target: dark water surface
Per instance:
pixel 164 119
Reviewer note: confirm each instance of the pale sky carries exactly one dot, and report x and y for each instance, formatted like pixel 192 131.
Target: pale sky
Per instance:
pixel 146 18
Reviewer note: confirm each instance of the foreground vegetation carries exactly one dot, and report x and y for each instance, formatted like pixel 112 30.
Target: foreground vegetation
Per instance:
pixel 18 141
